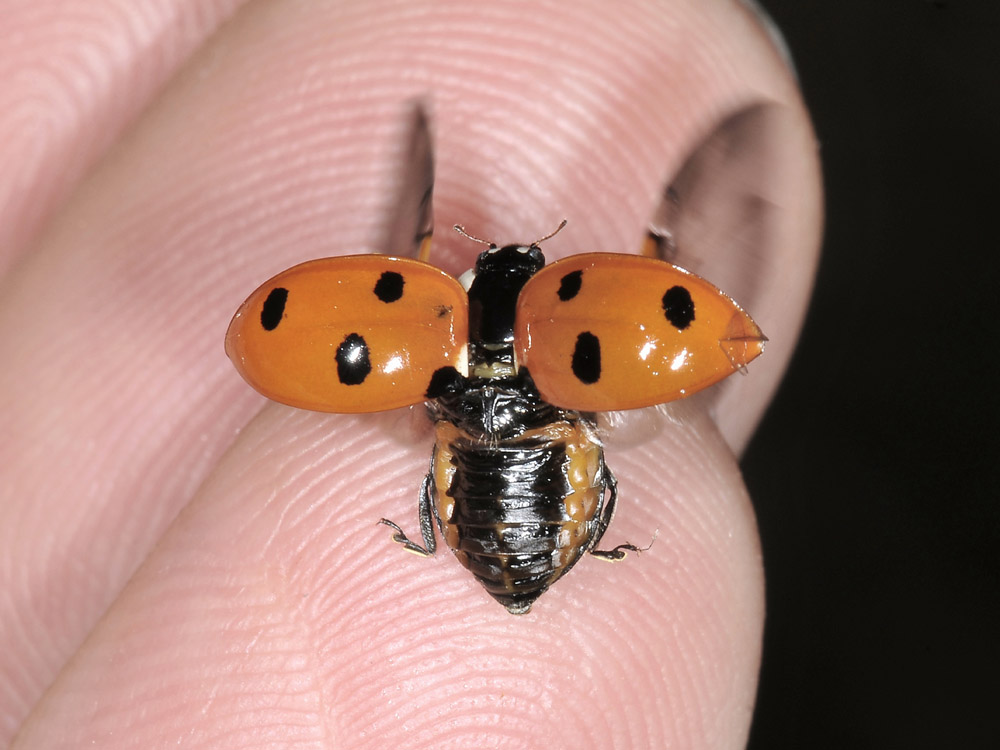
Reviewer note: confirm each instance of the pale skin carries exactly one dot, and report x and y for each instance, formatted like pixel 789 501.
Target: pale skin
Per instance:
pixel 185 564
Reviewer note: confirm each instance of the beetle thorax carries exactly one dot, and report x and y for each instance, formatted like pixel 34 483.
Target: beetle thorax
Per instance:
pixel 499 275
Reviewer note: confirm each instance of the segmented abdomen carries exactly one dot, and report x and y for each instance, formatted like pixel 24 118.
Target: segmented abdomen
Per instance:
pixel 518 513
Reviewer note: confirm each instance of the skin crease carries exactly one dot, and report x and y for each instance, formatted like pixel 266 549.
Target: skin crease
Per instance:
pixel 185 564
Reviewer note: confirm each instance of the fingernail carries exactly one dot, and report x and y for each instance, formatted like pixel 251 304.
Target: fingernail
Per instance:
pixel 772 30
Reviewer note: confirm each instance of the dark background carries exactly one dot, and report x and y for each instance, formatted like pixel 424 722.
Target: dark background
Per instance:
pixel 875 472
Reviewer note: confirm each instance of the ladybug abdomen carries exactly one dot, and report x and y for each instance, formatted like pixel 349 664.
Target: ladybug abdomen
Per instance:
pixel 518 512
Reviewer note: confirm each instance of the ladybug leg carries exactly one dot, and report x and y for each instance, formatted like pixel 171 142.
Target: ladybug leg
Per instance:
pixel 607 512
pixel 426 524
pixel 427 491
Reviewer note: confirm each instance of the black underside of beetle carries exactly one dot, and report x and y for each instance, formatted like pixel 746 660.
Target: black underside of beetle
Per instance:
pixel 509 511
pixel 509 488
pixel 497 408
pixel 507 457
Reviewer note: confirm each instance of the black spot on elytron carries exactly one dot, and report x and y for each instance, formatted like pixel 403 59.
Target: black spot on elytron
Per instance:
pixel 389 286
pixel 442 311
pixel 587 358
pixel 353 360
pixel 569 287
pixel 274 308
pixel 445 380
pixel 678 307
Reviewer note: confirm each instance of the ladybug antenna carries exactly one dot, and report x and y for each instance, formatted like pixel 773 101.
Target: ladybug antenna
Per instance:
pixel 461 230
pixel 550 235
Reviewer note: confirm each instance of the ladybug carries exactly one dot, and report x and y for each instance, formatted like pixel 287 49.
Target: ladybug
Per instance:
pixel 512 361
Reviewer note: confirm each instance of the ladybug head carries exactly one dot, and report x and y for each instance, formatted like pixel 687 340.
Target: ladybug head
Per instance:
pixel 515 260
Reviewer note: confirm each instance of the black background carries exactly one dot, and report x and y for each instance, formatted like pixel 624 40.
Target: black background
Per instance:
pixel 874 474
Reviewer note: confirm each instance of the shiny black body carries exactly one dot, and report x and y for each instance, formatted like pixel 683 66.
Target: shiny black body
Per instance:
pixel 509 484
pixel 517 486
